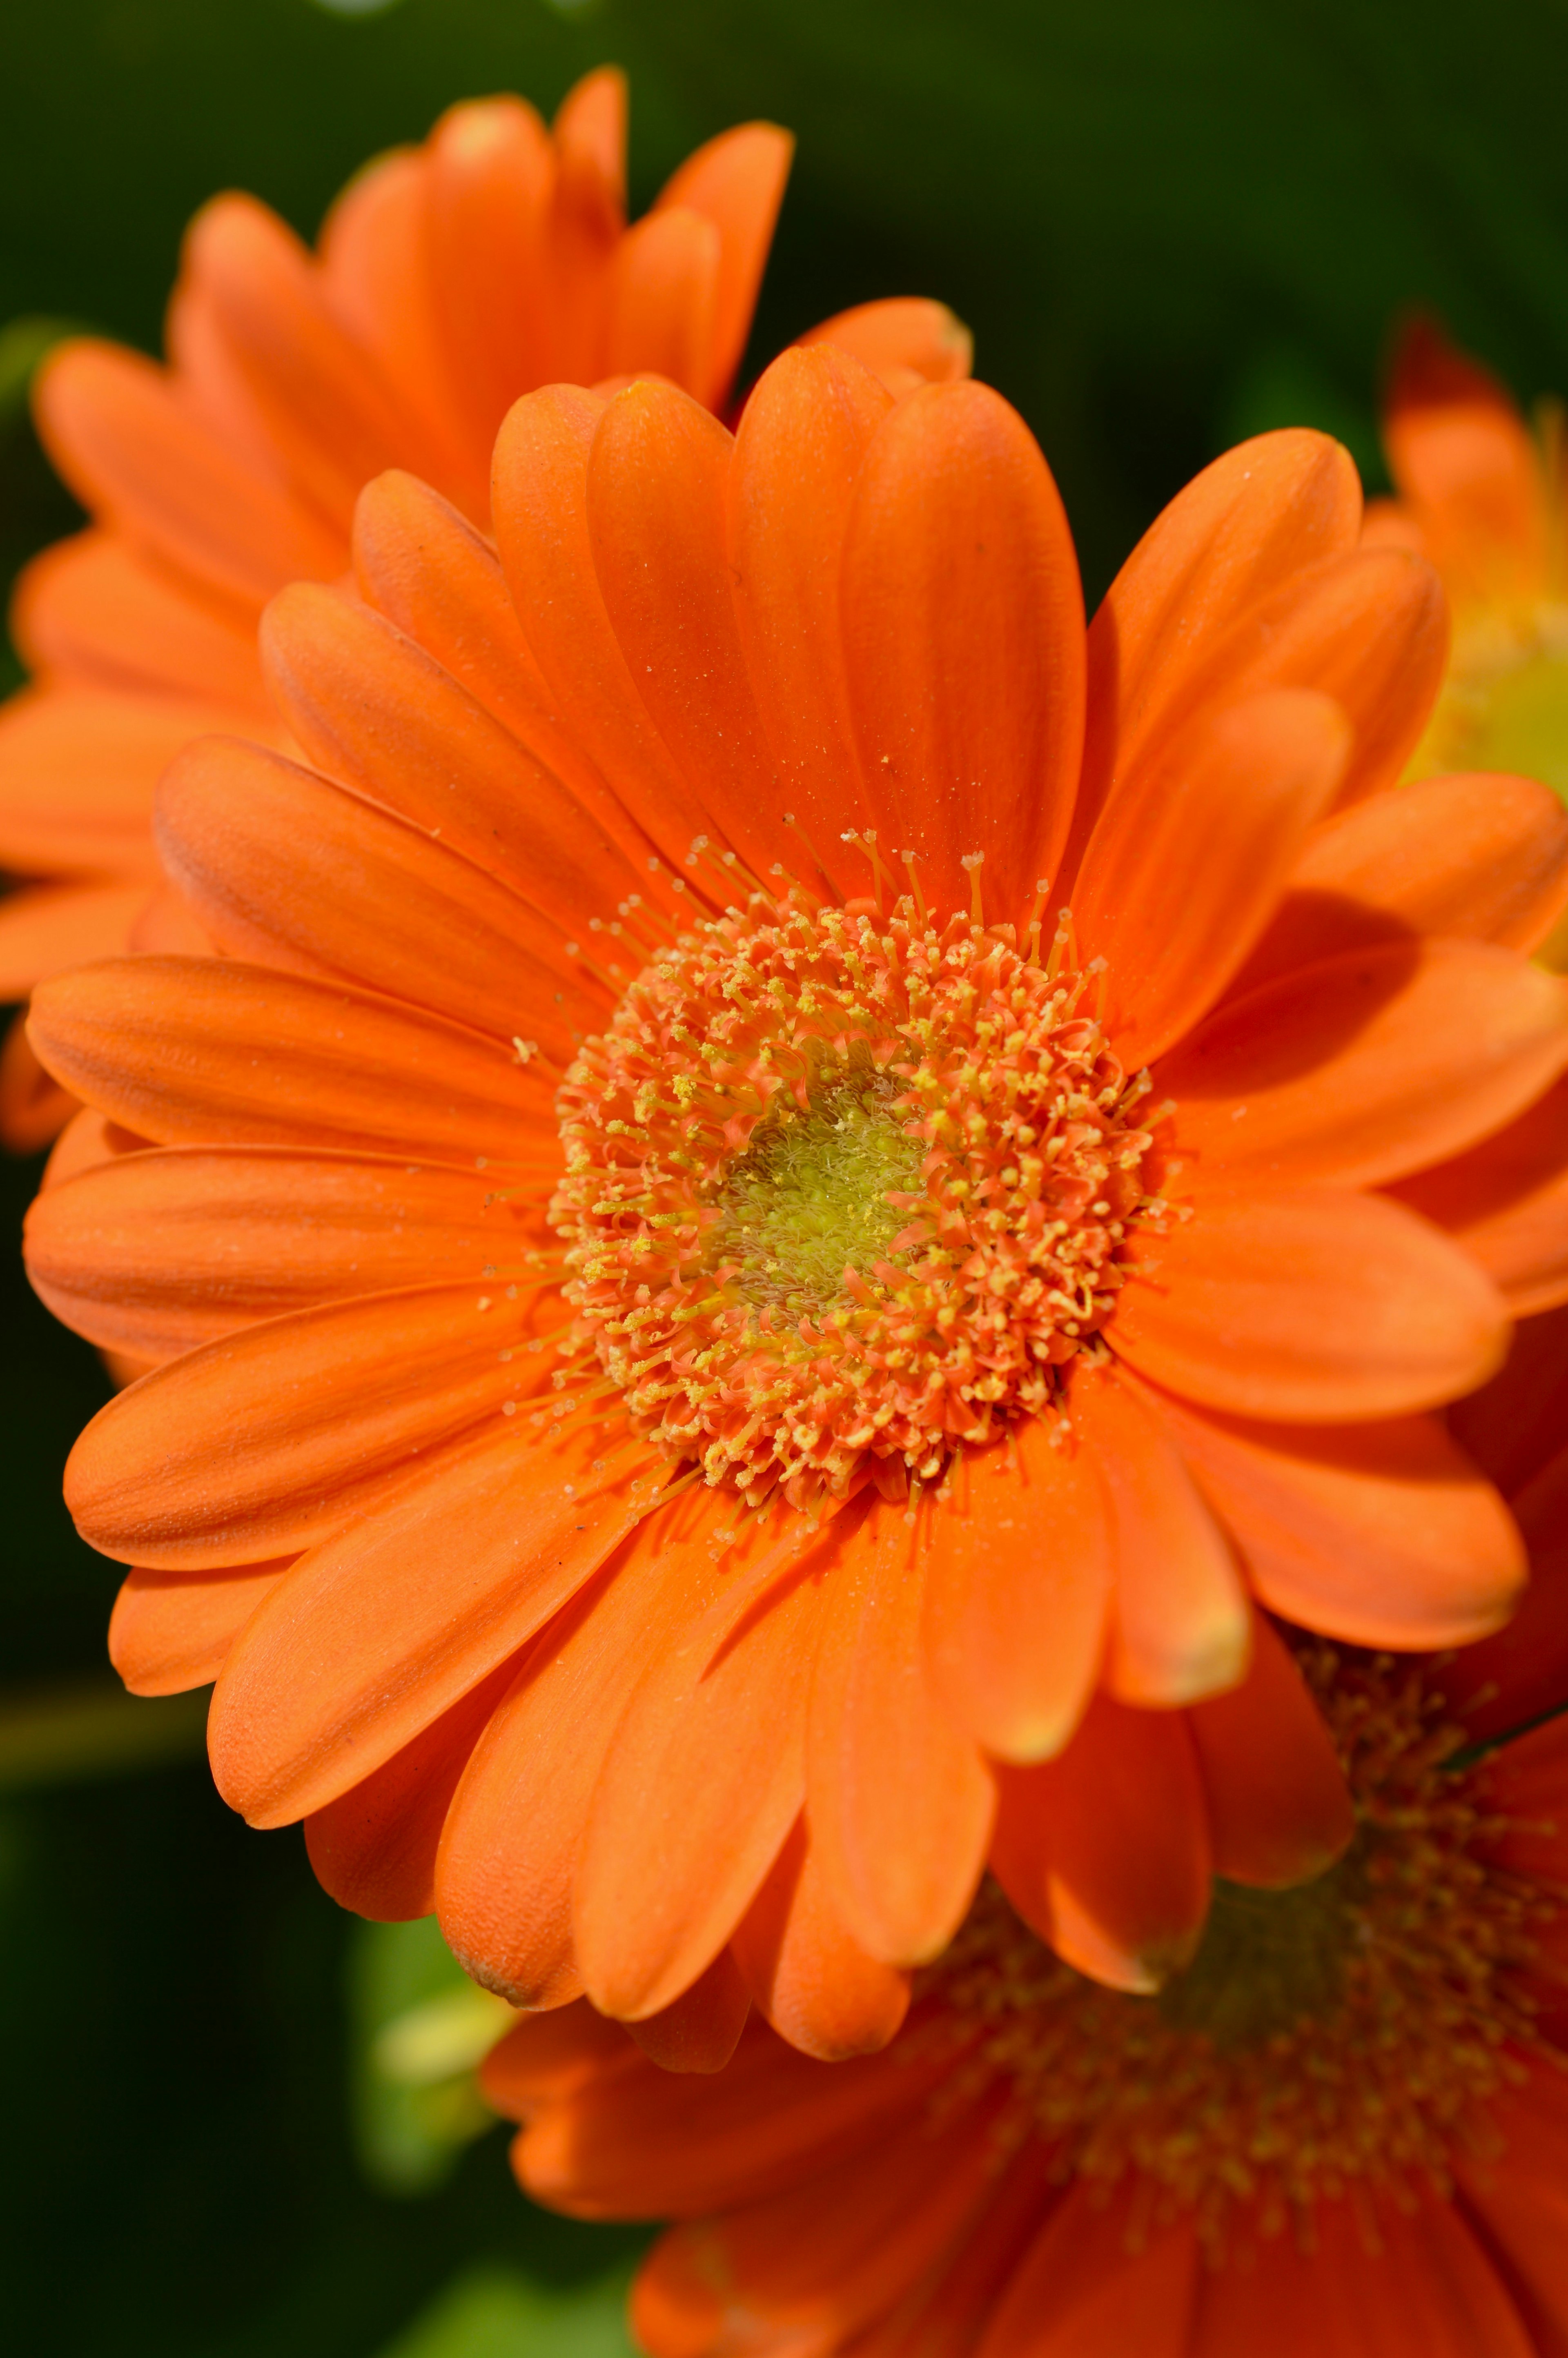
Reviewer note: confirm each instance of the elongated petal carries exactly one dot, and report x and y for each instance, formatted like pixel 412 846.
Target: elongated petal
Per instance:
pixel 805 1969
pixel 1519 1671
pixel 140 459
pixel 900 338
pixel 169 1633
pixel 703 1779
pixel 1018 1581
pixel 1506 1203
pixel 514 1835
pixel 801 444
pixel 736 182
pixel 1369 1065
pixel 49 928
pixel 1278 1809
pixel 1463 458
pixel 963 642
pixel 1087 2287
pixel 898 1797
pixel 78 768
pixel 92 608
pixel 698 2030
pixel 285 870
pixel 190 1050
pixel 659 485
pixel 154 1254
pixel 1519 2192
pixel 548 2055
pixel 1273 505
pixel 663 300
pixel 1482 857
pixel 540 492
pixel 372 710
pixel 1384 1534
pixel 492 181
pixel 258 1443
pixel 375 1848
pixel 1241 787
pixel 1104 1852
pixel 1308 1306
pixel 378 1631
pixel 1179 1627
pixel 648 2144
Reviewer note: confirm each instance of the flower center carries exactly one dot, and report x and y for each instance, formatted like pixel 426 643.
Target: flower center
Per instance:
pixel 845 1192
pixel 1344 2032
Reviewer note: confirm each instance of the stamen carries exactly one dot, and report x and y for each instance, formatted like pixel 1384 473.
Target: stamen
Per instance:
pixel 974 862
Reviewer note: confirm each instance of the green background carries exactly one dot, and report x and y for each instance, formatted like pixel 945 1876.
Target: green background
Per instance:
pixel 1169 222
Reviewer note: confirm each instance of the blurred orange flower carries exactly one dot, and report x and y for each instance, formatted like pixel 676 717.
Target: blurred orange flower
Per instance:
pixel 449 280
pixel 1484 498
pixel 1344 2127
pixel 650 1056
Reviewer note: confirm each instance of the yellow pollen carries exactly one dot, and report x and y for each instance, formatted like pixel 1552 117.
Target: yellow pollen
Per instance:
pixel 1340 2039
pixel 844 1192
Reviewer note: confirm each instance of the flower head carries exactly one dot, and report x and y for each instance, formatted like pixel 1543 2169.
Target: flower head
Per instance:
pixel 764 1238
pixel 448 279
pixel 1344 2123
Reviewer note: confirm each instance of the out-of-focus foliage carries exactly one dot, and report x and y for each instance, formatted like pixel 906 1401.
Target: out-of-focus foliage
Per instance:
pixel 1168 226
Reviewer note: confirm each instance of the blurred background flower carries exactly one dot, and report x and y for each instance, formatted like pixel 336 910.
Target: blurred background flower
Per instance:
pixel 239 2122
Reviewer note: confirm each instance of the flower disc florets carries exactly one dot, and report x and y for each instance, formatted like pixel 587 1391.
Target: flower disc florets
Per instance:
pixel 1339 2037
pixel 844 1191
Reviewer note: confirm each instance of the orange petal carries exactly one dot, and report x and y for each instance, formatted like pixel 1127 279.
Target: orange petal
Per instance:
pixel 78 771
pixel 1519 2188
pixel 153 1254
pixel 325 408
pixel 259 1442
pixel 47 927
pixel 1482 857
pixel 92 608
pixel 899 1799
pixel 1368 629
pixel 1514 1425
pixel 1018 1582
pixel 509 1854
pixel 379 1630
pixel 963 642
pixel 375 1848
pixel 663 301
pixel 33 1106
pixel 1415 2279
pixel 169 1631
pixel 736 182
pixel 1240 788
pixel 1369 1065
pixel 1463 458
pixel 657 488
pixel 953 2307
pixel 1279 1810
pixel 698 2030
pixel 492 183
pixel 703 1779
pixel 900 339
pixel 1179 1627
pixel 805 1969
pixel 543 2059
pixel 1105 1851
pixel 139 457
pixel 1089 2288
pixel 423 565
pixel 802 441
pixel 86 1141
pixel 1506 1203
pixel 1308 1306
pixel 285 870
pixel 650 2145
pixel 1384 1534
pixel 541 524
pixel 588 135
pixel 187 1050
pixel 372 710
pixel 1257 517
pixel 1521 1670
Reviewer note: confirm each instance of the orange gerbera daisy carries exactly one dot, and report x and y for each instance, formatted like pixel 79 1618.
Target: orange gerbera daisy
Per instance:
pixel 1013 1277
pixel 449 280
pixel 1343 2128
pixel 1485 499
